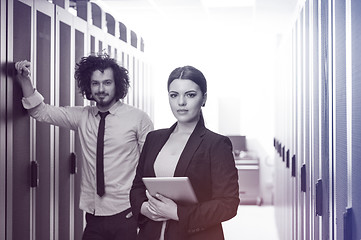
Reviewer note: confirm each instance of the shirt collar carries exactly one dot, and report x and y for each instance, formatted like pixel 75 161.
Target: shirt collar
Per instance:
pixel 112 109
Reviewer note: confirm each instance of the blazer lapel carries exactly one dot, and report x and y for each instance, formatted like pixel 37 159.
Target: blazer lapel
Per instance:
pixel 192 145
pixel 157 145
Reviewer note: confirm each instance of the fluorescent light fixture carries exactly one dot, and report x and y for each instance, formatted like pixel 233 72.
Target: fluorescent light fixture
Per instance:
pixel 228 3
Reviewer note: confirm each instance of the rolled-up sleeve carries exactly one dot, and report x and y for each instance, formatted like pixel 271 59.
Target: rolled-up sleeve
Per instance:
pixel 67 117
pixel 33 100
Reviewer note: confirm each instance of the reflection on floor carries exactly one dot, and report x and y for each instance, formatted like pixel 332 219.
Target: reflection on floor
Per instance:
pixel 252 223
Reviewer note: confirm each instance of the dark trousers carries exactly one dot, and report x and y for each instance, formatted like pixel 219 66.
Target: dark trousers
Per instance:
pixel 120 226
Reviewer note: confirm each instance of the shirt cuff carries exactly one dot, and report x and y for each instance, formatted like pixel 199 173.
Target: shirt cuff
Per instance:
pixel 33 100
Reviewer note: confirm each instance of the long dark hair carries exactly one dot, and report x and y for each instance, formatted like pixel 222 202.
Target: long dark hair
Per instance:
pixel 191 73
pixel 87 65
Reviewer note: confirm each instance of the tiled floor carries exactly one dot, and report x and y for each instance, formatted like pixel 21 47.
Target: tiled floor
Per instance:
pixel 252 223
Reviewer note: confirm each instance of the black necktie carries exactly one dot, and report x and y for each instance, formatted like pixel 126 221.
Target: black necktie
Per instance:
pixel 100 154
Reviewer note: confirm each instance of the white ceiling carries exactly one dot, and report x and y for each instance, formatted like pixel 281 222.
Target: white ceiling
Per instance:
pixel 271 14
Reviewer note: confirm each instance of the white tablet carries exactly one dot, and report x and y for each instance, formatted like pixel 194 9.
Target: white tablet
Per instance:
pixel 179 189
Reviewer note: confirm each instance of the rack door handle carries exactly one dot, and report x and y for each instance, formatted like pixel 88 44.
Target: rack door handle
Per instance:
pixel 347 224
pixel 73 168
pixel 319 197
pixel 303 178
pixel 34 174
pixel 293 166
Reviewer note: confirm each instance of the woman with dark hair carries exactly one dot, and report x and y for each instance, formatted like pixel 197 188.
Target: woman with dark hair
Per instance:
pixel 186 149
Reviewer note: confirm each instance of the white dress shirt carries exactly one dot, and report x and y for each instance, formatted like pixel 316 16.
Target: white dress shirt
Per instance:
pixel 126 128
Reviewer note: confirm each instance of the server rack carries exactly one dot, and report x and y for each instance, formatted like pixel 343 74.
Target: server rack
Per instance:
pixel 39 189
pixel 318 124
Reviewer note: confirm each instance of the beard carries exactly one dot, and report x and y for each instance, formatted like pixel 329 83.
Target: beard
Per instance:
pixel 104 102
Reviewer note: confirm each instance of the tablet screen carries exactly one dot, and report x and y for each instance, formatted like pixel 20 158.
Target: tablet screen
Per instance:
pixel 179 189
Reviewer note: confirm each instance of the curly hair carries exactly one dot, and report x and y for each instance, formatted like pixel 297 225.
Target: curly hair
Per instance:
pixel 87 65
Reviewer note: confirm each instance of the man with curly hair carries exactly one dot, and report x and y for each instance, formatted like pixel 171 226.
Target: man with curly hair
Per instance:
pixel 106 202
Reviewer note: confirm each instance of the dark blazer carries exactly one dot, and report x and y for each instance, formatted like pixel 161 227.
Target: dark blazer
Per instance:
pixel 208 162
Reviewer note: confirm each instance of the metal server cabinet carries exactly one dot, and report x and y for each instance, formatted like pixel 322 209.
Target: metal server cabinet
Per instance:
pixel 326 78
pixel 31 27
pixel 3 107
pixel 38 162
